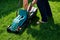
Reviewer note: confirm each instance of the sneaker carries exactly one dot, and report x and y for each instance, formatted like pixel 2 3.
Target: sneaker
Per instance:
pixel 38 22
pixel 42 22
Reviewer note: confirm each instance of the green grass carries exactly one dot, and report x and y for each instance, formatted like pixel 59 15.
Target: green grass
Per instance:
pixel 47 31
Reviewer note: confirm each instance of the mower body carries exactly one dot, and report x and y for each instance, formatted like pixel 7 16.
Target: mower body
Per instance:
pixel 19 20
pixel 23 17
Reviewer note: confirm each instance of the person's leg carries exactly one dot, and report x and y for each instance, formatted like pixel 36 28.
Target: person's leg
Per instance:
pixel 48 9
pixel 42 9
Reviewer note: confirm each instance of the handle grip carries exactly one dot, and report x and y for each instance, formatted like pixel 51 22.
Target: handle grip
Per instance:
pixel 29 7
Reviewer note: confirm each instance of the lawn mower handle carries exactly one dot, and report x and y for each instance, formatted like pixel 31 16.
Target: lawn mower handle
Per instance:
pixel 29 7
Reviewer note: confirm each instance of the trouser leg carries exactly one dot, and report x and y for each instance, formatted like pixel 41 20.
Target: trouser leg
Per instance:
pixel 42 9
pixel 48 9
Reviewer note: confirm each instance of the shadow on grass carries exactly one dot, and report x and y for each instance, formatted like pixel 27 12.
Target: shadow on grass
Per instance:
pixel 48 31
pixel 7 6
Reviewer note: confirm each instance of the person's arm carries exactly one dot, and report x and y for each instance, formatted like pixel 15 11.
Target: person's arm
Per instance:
pixel 25 4
pixel 30 6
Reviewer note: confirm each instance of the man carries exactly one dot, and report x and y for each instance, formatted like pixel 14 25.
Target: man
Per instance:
pixel 44 8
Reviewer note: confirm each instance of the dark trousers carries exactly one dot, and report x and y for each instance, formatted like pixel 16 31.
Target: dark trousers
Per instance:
pixel 44 8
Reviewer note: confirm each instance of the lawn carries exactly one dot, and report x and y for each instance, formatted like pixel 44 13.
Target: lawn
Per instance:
pixel 47 31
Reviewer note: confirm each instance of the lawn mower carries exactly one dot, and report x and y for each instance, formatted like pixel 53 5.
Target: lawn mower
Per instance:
pixel 22 20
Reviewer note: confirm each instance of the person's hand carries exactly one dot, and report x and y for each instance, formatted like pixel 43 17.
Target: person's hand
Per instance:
pixel 30 6
pixel 33 2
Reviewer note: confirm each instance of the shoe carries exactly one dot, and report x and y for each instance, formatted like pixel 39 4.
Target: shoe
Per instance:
pixel 38 22
pixel 42 22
